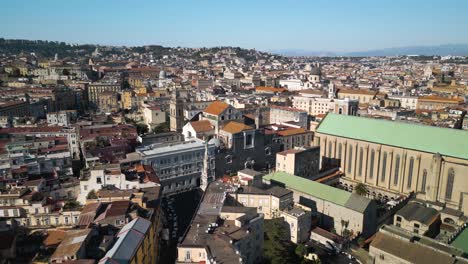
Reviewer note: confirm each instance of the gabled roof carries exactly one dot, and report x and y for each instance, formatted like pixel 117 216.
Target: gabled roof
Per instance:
pixel 291 132
pixel 129 239
pixel 235 127
pixel 446 141
pixel 202 126
pixel 420 213
pixel 319 190
pixel 216 107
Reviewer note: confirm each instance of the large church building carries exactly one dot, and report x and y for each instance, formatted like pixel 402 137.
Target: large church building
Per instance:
pixel 396 158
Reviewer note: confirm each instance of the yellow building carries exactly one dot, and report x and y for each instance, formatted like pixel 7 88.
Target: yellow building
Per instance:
pixel 127 97
pixel 95 90
pixel 434 102
pixel 364 96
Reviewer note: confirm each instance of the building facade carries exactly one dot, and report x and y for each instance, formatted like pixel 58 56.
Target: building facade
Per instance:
pixel 178 165
pixel 394 158
pixel 304 162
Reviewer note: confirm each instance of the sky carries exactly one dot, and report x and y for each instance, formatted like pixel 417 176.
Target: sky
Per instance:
pixel 269 25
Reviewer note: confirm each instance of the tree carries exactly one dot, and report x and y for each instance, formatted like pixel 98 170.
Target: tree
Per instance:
pixel 300 250
pixel 92 195
pixel 141 128
pixel 71 205
pixel 66 72
pixel 278 247
pixel 360 189
pixel 163 127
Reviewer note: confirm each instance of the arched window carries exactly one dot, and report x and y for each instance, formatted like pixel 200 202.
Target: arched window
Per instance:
pixel 372 159
pixel 423 181
pixel 361 157
pixel 350 158
pixel 397 170
pixel 449 187
pixel 340 148
pixel 384 166
pixel 410 173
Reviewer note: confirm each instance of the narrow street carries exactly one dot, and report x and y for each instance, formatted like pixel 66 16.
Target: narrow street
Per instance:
pixel 178 211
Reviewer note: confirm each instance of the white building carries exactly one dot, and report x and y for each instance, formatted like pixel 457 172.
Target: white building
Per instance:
pixel 153 116
pixel 320 106
pixel 61 118
pixel 408 102
pixel 279 114
pixel 107 175
pixel 294 84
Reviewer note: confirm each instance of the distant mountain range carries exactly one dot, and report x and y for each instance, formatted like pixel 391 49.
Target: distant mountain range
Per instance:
pixel 441 50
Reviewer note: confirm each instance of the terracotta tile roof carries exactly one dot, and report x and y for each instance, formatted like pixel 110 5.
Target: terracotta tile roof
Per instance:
pixel 235 127
pixel 291 132
pixel 361 91
pixel 20 130
pixel 216 108
pixel 54 238
pixel 433 98
pixel 202 126
pixel 270 89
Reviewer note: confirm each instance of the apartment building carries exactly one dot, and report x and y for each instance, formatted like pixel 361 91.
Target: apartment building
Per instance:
pixel 280 114
pixel 178 165
pixel 300 161
pixel 222 233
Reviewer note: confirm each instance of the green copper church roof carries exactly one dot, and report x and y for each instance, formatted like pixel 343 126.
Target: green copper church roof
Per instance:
pixel 461 241
pixel 310 187
pixel 446 141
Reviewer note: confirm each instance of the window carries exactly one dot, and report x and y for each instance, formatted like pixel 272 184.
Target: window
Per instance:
pixel 340 148
pixel 248 140
pixel 371 170
pixel 98 180
pixel 350 158
pixel 410 173
pixel 187 255
pixel 423 181
pixel 449 187
pixel 330 150
pixel 384 166
pixel 397 170
pixel 361 157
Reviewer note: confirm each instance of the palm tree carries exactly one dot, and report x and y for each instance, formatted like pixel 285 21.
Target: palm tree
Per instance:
pixel 360 189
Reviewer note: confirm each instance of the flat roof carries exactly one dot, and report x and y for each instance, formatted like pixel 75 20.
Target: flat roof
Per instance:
pixel 446 141
pixel 167 149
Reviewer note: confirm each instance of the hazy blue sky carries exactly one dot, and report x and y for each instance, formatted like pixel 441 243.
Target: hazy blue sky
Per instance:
pixel 346 25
